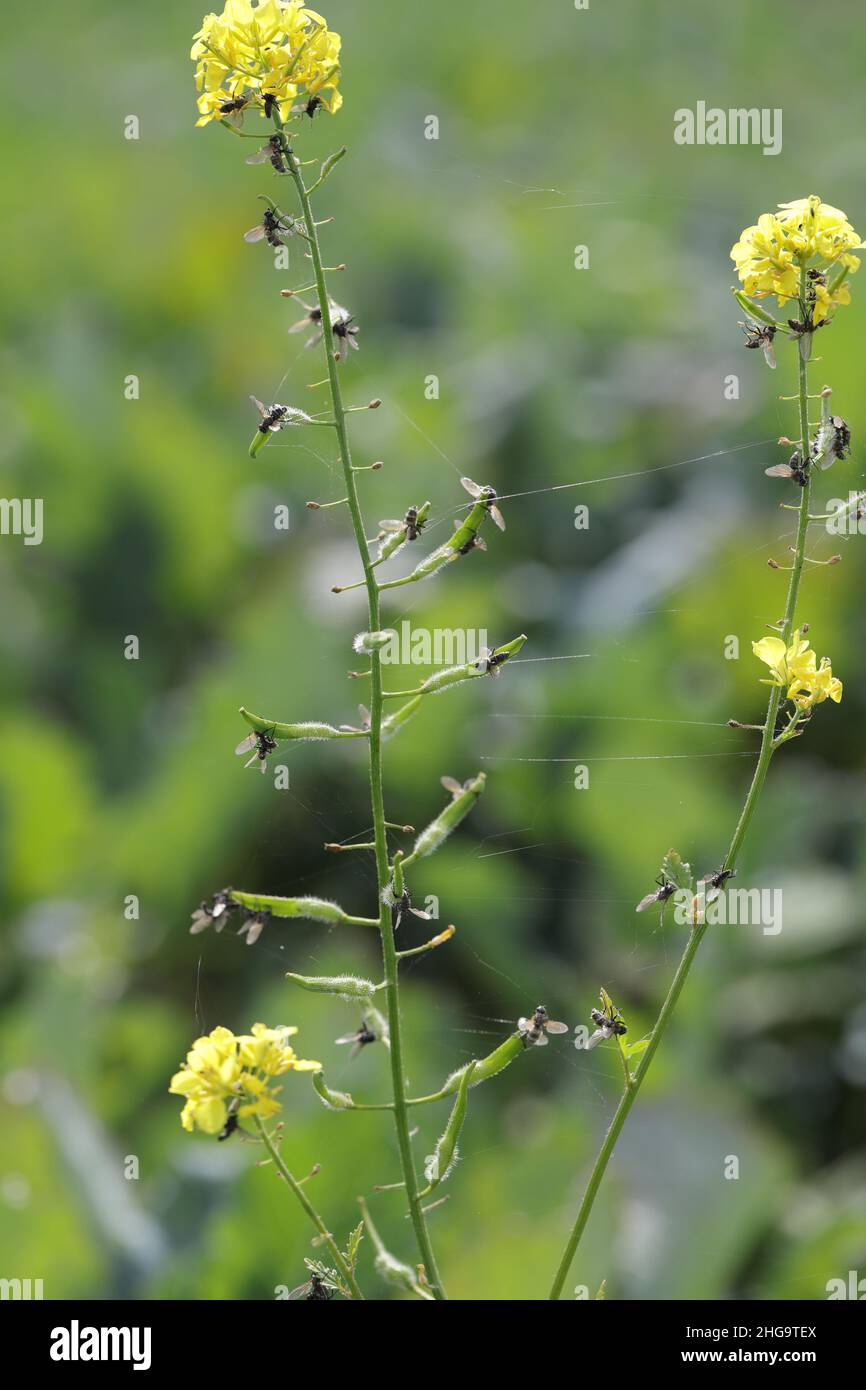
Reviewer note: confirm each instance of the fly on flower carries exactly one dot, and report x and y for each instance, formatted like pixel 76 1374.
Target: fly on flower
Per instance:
pixel 274 227
pixel 344 330
pixel 261 743
pixel 271 153
pixel 534 1030
pixel 761 335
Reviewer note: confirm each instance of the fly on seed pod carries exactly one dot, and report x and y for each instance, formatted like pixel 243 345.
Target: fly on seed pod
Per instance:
pixel 487 496
pixel 454 787
pixel 411 524
pixel 761 335
pixel 261 743
pixel 404 904
pixel 661 894
pixel 214 914
pixel 253 925
pixel 490 660
pixel 534 1030
pixel 271 153
pixel 794 469
pixel 273 228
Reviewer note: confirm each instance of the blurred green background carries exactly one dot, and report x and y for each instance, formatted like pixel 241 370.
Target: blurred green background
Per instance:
pixel 117 777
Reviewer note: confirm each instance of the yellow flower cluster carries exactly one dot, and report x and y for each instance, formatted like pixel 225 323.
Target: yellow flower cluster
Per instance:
pixel 796 668
pixel 770 256
pixel 277 50
pixel 226 1074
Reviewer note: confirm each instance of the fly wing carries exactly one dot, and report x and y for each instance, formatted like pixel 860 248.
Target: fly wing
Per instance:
pixel 419 912
pixel 472 488
pixel 246 744
pixel 779 470
pixel 258 405
pixel 451 785
pixel 647 902
pixel 300 1292
pixel 391 524
pixel 553 1027
pixel 259 156
pixel 255 233
pixel 497 516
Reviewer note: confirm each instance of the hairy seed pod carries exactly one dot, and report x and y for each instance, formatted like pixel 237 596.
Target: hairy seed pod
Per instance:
pixel 311 909
pixel 332 1100
pixel 437 832
pixel 348 987
pixel 440 1163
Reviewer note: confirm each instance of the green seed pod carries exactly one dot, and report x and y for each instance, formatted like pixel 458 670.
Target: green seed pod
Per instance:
pixel 490 1065
pixel 311 909
pixel 332 1100
pixel 396 721
pixel 435 834
pixel 348 987
pixel 310 732
pixel 439 1164
pixel 754 309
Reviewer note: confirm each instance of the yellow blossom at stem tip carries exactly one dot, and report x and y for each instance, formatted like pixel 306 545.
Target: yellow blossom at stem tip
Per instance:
pixel 265 57
pixel 804 234
pixel 227 1074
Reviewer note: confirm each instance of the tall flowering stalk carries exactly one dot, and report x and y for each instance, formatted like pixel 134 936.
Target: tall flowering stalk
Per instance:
pixel 801 254
pixel 278 62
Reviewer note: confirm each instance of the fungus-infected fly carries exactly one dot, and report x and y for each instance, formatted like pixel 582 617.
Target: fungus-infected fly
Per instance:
pixel 261 743
pixel 534 1030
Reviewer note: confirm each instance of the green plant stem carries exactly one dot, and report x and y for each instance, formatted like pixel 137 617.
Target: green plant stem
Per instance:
pixel 389 951
pixel 297 1189
pixel 698 929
